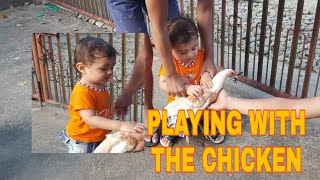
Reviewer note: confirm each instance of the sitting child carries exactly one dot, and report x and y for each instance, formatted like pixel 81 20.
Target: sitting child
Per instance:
pixel 90 106
pixel 188 61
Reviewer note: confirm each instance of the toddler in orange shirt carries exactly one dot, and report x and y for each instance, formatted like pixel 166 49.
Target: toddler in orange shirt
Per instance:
pixel 90 106
pixel 188 60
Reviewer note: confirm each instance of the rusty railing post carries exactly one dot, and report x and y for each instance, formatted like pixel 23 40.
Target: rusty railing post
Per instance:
pixel 294 45
pixel 312 50
pixel 45 65
pixel 277 43
pixel 192 9
pixel 302 54
pixel 124 58
pixel 70 60
pixel 223 24
pixel 85 10
pixel 110 40
pixel 53 68
pixel 262 38
pixel 135 97
pixel 62 83
pixel 234 40
pixel 248 33
pixel 213 13
pixel 36 66
pixel 42 69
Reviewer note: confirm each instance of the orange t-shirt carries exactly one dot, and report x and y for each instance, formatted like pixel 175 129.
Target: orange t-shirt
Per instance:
pixel 83 97
pixel 193 73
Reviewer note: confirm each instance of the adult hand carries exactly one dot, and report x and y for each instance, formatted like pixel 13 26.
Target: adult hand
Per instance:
pixel 176 85
pixel 209 65
pixel 206 80
pixel 194 90
pixel 121 105
pixel 221 102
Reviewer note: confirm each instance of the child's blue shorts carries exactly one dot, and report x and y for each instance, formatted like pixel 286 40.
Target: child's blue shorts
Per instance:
pixel 75 146
pixel 128 16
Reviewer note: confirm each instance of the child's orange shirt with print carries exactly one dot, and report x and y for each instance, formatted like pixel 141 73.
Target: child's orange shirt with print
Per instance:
pixel 192 73
pixel 83 97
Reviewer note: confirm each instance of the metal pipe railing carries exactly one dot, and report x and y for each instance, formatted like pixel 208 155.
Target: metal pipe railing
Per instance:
pixel 312 50
pixel 294 45
pixel 97 9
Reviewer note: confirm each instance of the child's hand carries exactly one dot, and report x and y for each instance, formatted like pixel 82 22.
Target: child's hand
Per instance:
pixel 206 80
pixel 131 127
pixel 194 90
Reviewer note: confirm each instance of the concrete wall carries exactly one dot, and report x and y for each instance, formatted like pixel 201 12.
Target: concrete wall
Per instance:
pixel 5 4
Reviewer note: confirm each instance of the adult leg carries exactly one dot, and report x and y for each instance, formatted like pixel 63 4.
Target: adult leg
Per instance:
pixel 148 89
pixel 137 78
pixel 142 73
pixel 173 11
pixel 127 15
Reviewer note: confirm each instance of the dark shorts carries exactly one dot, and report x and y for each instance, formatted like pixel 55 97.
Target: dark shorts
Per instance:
pixel 128 16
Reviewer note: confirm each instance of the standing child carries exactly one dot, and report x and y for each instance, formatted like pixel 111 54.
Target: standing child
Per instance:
pixel 188 60
pixel 90 105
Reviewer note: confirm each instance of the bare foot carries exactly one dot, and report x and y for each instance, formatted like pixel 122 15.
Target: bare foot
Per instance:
pixel 153 139
pixel 166 142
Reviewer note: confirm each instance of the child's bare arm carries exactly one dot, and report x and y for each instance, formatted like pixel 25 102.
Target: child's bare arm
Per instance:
pixel 89 116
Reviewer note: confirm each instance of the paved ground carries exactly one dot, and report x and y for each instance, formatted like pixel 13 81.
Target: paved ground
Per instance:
pixel 25 129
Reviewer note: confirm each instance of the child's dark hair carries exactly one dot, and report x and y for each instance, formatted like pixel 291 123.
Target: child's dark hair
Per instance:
pixel 181 30
pixel 90 48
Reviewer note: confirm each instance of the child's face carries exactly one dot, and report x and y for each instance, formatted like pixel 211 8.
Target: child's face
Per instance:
pixel 185 53
pixel 101 70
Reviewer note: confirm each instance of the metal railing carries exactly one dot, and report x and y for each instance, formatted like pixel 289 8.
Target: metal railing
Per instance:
pixel 264 70
pixel 95 9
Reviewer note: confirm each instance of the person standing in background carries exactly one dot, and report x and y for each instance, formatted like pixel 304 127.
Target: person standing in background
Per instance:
pixel 128 17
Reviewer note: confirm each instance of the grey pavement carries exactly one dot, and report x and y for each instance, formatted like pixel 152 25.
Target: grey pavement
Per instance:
pixel 25 128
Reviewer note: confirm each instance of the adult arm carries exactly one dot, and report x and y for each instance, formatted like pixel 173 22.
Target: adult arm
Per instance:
pixel 310 105
pixel 205 24
pixel 192 90
pixel 158 12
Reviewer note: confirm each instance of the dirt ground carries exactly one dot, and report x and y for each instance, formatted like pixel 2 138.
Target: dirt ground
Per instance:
pixel 30 148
